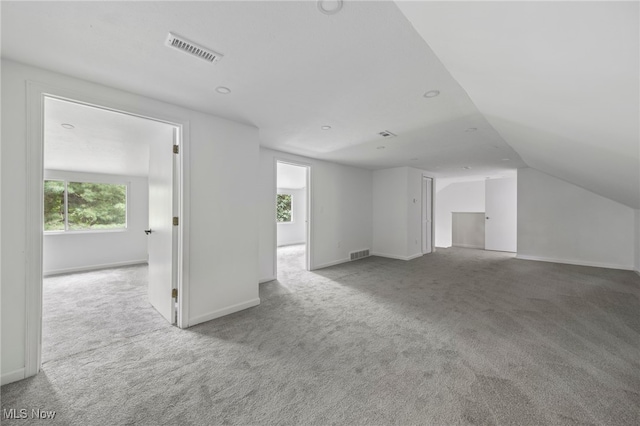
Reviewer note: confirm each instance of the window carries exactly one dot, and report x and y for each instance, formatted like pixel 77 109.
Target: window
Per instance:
pixel 284 208
pixel 84 206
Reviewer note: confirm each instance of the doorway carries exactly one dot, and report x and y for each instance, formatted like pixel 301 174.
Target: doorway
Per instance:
pixel 292 218
pixel 78 219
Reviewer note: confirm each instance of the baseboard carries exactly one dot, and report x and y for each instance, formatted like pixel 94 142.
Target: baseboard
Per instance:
pixel 94 267
pixel 266 280
pixel 393 256
pixel 471 246
pixel 224 311
pixel 12 376
pixel 326 265
pixel 574 262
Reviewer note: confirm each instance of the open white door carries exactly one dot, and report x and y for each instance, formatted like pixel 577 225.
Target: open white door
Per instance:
pixel 501 204
pixel 427 210
pixel 161 229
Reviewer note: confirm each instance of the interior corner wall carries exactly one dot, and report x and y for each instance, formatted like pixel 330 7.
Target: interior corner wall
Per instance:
pixel 340 216
pixel 390 212
pixel 294 232
pixel 78 251
pixel 466 197
pixel 561 222
pixel 397 213
pixel 223 164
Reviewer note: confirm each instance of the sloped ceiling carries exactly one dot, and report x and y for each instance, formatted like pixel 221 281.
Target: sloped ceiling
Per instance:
pixel 559 81
pixel 290 68
pixel 552 83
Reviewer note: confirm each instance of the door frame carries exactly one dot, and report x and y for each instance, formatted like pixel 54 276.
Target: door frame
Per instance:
pixel 36 94
pixel 308 255
pixel 433 209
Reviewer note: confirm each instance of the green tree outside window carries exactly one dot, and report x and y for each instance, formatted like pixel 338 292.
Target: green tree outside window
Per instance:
pixel 283 211
pixel 88 206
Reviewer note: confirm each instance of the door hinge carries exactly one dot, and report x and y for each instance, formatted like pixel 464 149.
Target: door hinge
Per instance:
pixel 176 149
pixel 174 293
pixel 176 222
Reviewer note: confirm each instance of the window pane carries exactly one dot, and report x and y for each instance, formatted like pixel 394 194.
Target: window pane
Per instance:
pixel 96 205
pixel 53 205
pixel 284 208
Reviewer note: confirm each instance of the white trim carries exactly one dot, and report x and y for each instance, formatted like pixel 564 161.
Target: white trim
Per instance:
pixel 12 376
pixel 266 280
pixel 636 271
pixel 336 262
pixel 393 256
pixel 225 311
pixel 309 261
pixel 94 267
pixel 36 92
pixel 574 262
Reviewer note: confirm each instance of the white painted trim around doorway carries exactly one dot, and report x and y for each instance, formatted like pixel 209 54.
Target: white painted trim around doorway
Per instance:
pixel 309 262
pixel 36 93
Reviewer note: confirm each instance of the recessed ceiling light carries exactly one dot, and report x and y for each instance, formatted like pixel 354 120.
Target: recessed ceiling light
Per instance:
pixel 471 129
pixel 223 90
pixel 68 126
pixel 467 168
pixel 506 159
pixel 329 7
pixel 431 94
pixel 381 147
pixel 325 127
pixel 414 159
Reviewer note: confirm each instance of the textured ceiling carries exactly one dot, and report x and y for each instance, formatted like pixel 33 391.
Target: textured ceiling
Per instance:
pixel 559 81
pixel 290 68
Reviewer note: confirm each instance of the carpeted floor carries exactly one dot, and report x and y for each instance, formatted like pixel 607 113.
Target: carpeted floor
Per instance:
pixel 457 337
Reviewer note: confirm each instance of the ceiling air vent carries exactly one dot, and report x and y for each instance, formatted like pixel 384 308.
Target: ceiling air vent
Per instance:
pixel 192 48
pixel 386 134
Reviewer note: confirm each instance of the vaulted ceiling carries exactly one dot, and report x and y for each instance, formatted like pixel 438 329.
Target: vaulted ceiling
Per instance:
pixel 518 82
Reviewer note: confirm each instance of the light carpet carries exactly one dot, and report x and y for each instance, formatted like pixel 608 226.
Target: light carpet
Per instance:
pixel 456 337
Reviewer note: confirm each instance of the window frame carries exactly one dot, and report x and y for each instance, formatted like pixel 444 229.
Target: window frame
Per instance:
pixel 66 178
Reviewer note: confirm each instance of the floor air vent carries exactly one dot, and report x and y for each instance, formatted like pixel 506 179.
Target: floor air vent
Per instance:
pixel 192 48
pixel 355 255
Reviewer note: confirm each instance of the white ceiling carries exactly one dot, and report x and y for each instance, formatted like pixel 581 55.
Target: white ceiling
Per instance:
pixel 558 80
pixel 102 141
pixel 290 176
pixel 548 81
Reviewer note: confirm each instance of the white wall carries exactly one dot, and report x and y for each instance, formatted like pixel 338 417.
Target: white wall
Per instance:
pixel 294 232
pixel 222 267
pixel 76 251
pixel 455 197
pixel 561 222
pixel 390 212
pixel 340 211
pixel 397 213
pixel 637 234
pixel 468 230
